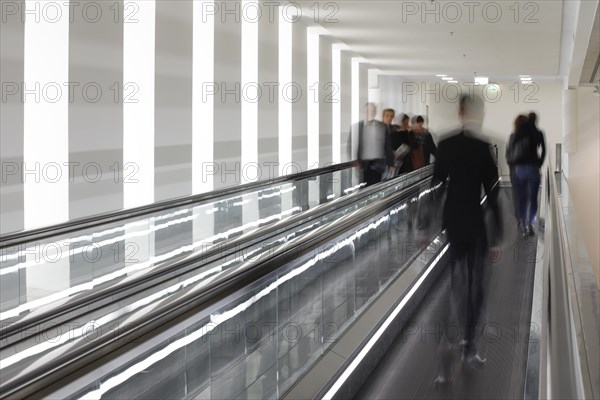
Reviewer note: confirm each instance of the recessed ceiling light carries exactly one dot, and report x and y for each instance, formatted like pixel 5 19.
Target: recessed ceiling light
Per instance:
pixel 447 78
pixel 452 81
pixel 523 76
pixel 441 75
pixel 525 79
pixel 481 80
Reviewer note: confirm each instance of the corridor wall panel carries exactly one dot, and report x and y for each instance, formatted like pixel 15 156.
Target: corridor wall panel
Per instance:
pixel 12 42
pixel 227 101
pixel 346 105
pixel 96 109
pixel 173 93
pixel 363 89
pixel 326 89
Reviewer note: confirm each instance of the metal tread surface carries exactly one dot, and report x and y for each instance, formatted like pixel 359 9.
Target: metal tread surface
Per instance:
pixel 410 367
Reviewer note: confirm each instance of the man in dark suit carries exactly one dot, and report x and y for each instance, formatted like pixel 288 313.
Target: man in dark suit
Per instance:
pixel 463 166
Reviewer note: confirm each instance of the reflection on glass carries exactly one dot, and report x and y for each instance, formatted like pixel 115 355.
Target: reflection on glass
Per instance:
pixel 267 335
pixel 50 271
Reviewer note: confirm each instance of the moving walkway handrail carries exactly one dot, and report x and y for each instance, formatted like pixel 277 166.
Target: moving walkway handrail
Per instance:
pixel 173 268
pixel 563 374
pixel 17 238
pixel 51 369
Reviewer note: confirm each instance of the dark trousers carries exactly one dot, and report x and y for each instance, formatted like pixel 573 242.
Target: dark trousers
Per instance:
pixel 373 171
pixel 528 184
pixel 515 198
pixel 466 292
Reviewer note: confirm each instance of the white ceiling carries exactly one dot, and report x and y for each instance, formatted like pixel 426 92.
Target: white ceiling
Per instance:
pixel 417 46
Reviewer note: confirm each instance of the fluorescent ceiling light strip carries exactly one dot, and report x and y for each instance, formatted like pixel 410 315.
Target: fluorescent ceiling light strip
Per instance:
pixel 346 374
pixel 439 76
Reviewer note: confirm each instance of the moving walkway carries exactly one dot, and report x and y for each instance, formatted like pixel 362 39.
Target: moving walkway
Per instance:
pixel 345 309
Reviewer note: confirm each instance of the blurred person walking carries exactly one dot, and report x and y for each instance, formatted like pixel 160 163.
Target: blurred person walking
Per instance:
pixel 527 153
pixel 374 153
pixel 518 122
pixel 422 144
pixel 463 166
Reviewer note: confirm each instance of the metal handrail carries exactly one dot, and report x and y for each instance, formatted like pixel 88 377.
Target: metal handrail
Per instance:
pixel 13 239
pixel 560 366
pixel 173 268
pixel 39 376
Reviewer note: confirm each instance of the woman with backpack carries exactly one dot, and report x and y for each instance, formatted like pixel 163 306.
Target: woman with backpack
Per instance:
pixel 524 155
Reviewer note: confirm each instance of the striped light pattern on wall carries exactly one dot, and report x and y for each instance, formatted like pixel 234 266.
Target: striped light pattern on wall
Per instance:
pixel 285 106
pixel 46 116
pixel 203 104
pixel 138 112
pixel 162 127
pixel 336 126
pixel 312 96
pixel 251 91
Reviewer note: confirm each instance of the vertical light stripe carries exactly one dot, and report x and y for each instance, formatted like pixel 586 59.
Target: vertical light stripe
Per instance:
pixel 46 108
pixel 312 75
pixel 355 113
pixel 138 116
pixel 374 93
pixel 285 105
pixel 336 128
pixel 251 90
pixel 202 98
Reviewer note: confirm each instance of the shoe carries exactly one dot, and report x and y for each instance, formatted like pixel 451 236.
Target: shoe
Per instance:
pixel 531 230
pixel 473 361
pixel 441 381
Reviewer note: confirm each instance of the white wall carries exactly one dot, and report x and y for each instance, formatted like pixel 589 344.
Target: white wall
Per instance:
pixel 584 173
pixel 501 108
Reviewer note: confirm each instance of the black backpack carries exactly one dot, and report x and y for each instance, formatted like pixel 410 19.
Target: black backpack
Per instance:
pixel 519 150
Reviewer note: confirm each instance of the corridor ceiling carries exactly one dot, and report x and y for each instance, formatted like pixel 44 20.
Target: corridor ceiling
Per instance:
pixel 420 39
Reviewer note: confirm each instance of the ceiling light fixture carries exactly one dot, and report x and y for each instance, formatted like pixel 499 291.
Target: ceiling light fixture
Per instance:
pixel 447 78
pixel 481 80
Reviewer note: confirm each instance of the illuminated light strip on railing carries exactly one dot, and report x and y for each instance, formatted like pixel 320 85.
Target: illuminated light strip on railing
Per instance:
pixel 77 250
pixel 91 237
pixel 129 226
pixel 144 302
pixel 142 365
pixel 355 188
pixel 98 324
pixel 76 241
pixel 133 268
pixel 348 371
